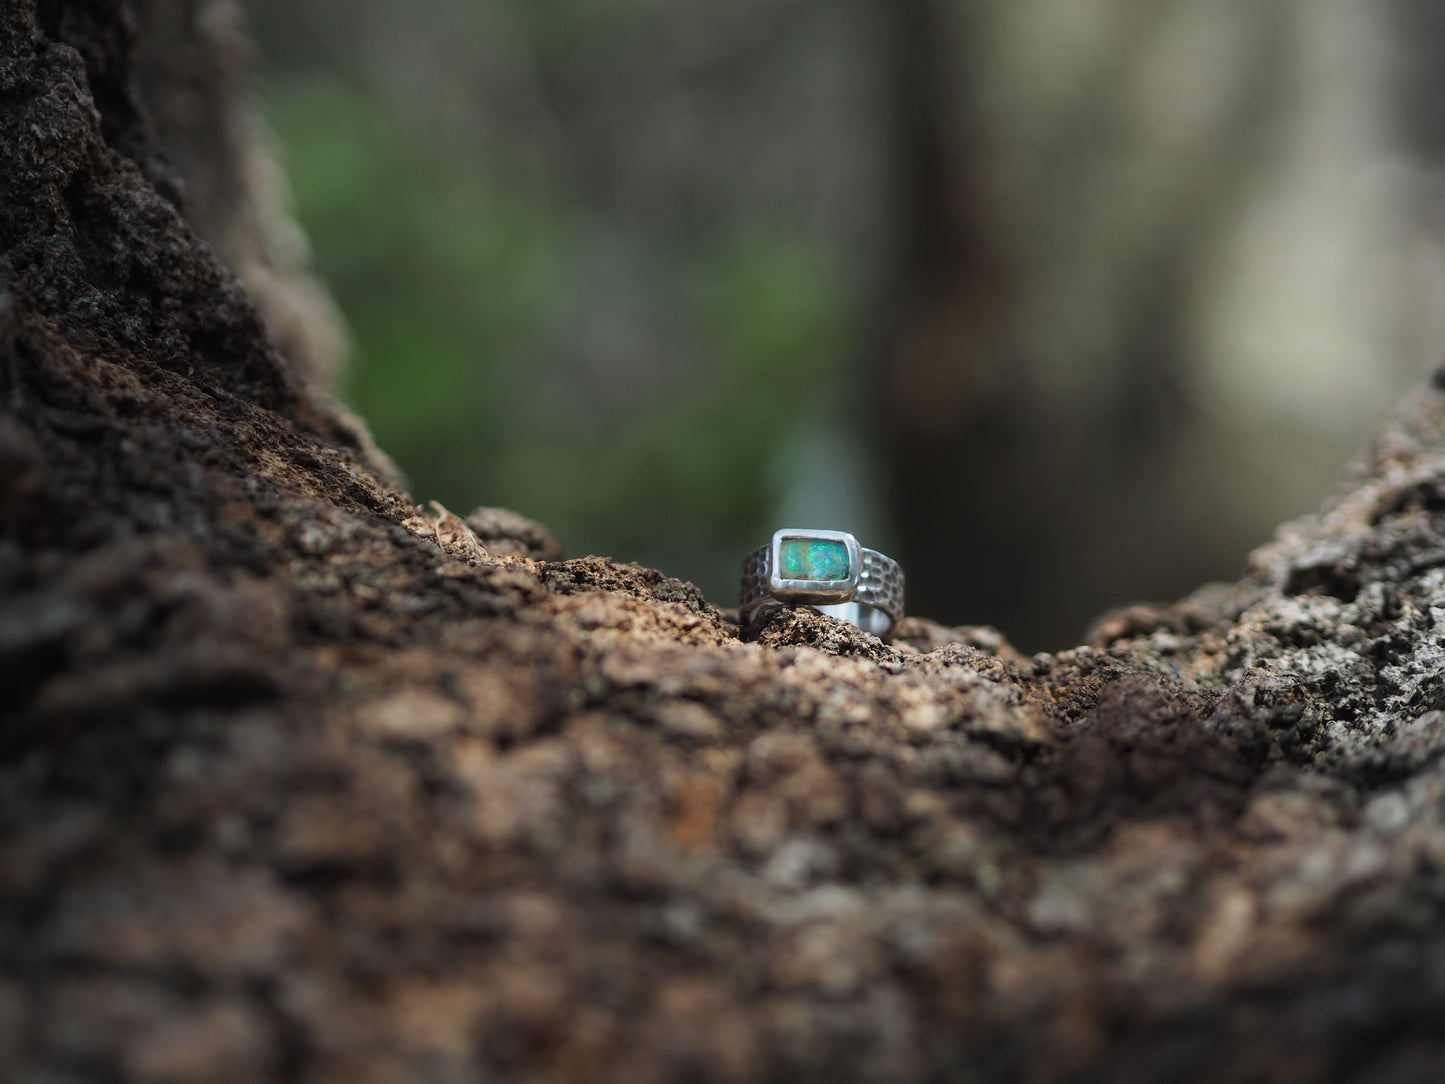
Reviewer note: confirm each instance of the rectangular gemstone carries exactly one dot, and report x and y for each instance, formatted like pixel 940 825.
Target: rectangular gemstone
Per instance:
pixel 813 559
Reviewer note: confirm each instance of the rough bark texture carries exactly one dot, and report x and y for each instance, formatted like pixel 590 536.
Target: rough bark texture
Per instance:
pixel 300 783
pixel 190 68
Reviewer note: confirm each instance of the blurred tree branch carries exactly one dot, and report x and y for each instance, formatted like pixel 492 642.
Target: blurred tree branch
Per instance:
pixel 1133 235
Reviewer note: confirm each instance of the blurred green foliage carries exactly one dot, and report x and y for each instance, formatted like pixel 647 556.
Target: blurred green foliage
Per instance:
pixel 632 389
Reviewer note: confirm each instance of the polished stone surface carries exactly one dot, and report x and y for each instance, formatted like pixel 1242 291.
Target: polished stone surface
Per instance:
pixel 813 559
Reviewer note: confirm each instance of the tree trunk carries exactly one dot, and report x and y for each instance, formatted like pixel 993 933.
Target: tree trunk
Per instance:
pixel 300 783
pixel 1116 290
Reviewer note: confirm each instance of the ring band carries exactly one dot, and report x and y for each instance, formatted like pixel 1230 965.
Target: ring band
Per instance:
pixel 828 571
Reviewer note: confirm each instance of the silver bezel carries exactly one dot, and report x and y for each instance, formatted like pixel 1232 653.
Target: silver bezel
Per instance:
pixel 814 591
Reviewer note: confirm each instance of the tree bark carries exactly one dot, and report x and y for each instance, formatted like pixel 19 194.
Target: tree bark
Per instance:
pixel 301 783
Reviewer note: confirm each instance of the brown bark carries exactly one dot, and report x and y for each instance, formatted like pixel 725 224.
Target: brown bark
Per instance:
pixel 299 783
pixel 191 71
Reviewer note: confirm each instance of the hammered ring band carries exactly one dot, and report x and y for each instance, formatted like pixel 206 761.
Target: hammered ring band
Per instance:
pixel 827 571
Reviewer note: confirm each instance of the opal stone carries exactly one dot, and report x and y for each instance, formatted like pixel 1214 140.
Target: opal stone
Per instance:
pixel 813 559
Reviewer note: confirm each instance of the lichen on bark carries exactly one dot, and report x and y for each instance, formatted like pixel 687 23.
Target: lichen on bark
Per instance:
pixel 301 781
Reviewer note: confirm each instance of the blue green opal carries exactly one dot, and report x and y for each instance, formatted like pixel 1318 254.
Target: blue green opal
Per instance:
pixel 813 559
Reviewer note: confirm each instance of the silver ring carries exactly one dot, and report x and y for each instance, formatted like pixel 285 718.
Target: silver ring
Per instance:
pixel 826 570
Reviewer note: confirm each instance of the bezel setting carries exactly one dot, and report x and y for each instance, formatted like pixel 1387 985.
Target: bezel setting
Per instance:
pixel 814 591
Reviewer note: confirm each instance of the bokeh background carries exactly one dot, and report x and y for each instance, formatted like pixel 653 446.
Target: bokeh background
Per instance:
pixel 1064 303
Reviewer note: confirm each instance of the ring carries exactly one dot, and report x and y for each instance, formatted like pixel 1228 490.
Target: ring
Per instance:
pixel 828 571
